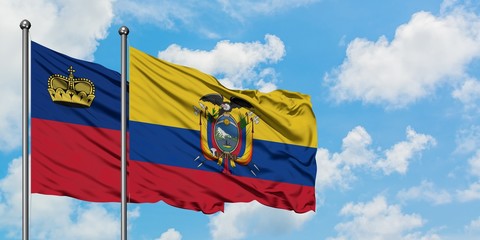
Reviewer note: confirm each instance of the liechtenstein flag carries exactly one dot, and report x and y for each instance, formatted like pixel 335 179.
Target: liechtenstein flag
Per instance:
pixel 75 127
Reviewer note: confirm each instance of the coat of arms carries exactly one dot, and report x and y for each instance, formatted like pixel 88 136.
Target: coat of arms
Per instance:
pixel 226 131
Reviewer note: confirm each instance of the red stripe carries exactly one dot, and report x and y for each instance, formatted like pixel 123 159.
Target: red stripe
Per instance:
pixel 75 160
pixel 84 162
pixel 206 191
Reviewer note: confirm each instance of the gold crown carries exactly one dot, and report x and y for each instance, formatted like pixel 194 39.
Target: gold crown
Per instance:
pixel 75 92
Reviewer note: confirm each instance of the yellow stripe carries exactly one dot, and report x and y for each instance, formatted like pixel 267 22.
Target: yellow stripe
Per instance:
pixel 164 93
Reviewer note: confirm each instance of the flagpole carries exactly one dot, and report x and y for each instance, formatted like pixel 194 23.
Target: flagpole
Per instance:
pixel 123 31
pixel 25 26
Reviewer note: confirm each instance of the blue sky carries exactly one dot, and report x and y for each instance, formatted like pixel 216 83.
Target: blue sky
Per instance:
pixel 395 87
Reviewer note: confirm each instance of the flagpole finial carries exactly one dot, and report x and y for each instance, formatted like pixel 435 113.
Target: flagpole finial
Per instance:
pixel 123 30
pixel 25 24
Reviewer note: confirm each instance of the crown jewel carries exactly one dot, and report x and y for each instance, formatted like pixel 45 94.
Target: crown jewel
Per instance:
pixel 75 92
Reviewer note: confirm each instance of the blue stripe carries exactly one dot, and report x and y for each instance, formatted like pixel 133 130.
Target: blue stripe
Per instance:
pixel 104 112
pixel 180 147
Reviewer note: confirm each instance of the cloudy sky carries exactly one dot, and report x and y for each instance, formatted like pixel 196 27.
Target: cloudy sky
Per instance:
pixel 395 88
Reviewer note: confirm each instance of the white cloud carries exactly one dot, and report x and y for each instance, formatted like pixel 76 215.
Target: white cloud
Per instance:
pixel 169 14
pixel 134 213
pixel 73 221
pixel 471 231
pixel 474 163
pixel 243 219
pixel 420 236
pixel 53 217
pixel 470 194
pixel 266 87
pixel 72 27
pixel 377 220
pixel 267 80
pixel 398 157
pixel 162 12
pixel 337 169
pixel 236 62
pixel 447 5
pixel 425 191
pixel 411 66
pixel 11 196
pixel 473 226
pixel 331 171
pixel 170 234
pixel 355 151
pixel 468 140
pixel 468 94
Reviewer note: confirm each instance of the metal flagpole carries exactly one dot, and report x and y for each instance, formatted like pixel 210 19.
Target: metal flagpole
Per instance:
pixel 25 26
pixel 123 31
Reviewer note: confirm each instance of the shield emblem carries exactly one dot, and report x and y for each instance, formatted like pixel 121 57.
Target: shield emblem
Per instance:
pixel 226 133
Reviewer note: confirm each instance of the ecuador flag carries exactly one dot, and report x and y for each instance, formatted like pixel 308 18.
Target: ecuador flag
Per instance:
pixel 196 144
pixel 75 127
